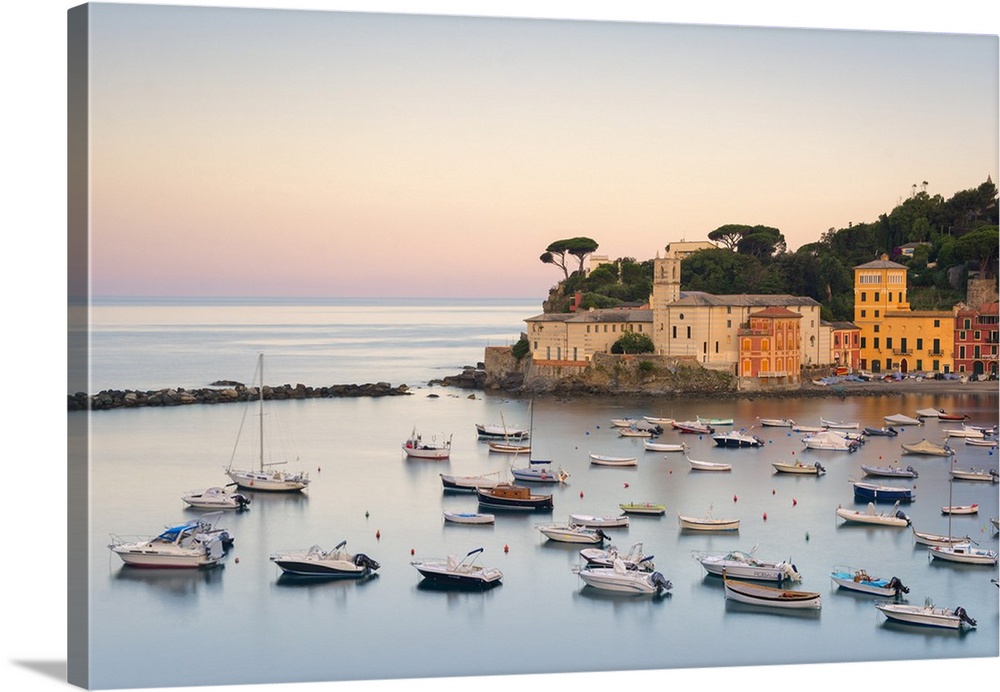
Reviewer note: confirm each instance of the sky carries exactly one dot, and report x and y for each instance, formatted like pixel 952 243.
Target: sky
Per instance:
pixel 882 171
pixel 305 153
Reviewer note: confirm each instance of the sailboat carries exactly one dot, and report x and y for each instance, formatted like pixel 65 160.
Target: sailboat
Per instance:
pixel 263 477
pixel 537 470
pixel 961 552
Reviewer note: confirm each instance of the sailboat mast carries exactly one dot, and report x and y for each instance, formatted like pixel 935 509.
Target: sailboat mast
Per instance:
pixel 261 414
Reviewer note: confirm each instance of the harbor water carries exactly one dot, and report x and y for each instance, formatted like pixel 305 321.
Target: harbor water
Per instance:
pixel 251 625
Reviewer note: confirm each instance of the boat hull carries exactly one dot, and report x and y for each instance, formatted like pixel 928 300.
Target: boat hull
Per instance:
pixel 467 483
pixel 755 594
pixel 476 579
pixel 804 469
pixel 964 554
pixel 630 582
pixel 475 518
pixel 858 517
pixel 853 581
pixel 643 508
pixel 252 480
pixel 137 556
pixel 872 493
pixel 776 572
pixel 526 502
pixel 703 524
pixel 924 616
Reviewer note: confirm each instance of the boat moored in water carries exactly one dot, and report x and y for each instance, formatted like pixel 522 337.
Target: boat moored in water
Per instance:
pixel 757 594
pixel 315 562
pixel 927 615
pixel 853 579
pixel 452 571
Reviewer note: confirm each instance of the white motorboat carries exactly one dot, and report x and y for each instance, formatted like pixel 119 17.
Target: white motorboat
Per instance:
pixel 651 508
pixel 633 559
pixel 623 422
pixel 416 447
pixel 807 428
pixel 889 471
pixel 708 523
pixel 973 474
pixel 216 498
pixel 964 431
pixel 927 615
pixel 697 465
pixel 469 517
pixel 742 565
pixel 893 517
pixel 757 594
pixel 620 579
pixel 470 483
pixel 604 460
pixel 928 413
pixel 452 571
pixel 778 422
pixel 539 471
pixel 571 533
pixel 737 438
pixel 901 420
pixel 798 467
pixel 972 442
pixel 265 478
pixel 509 447
pixel 316 562
pixel 193 544
pixel 853 579
pixel 714 421
pixel 662 422
pixel 634 432
pixel 693 427
pixel 964 553
pixel 596 522
pixel 651 446
pixel 828 441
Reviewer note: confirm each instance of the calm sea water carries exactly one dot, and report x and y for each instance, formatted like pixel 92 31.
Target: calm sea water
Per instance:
pixel 244 624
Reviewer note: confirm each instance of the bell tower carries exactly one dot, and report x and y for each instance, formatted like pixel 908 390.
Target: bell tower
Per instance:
pixel 666 289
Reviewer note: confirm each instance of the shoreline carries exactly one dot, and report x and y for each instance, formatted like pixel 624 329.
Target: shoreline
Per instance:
pixel 223 393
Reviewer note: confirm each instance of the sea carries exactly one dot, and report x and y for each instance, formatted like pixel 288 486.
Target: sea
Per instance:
pixel 244 623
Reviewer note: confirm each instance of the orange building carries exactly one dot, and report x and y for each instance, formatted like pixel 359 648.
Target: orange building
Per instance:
pixel 769 345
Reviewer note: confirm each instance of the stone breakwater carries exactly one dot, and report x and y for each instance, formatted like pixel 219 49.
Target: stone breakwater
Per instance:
pixel 223 393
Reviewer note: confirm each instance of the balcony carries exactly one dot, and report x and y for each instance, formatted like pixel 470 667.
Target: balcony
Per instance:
pixel 902 352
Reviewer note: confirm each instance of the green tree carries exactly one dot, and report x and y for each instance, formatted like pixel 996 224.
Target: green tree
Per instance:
pixel 578 247
pixel 980 246
pixel 633 342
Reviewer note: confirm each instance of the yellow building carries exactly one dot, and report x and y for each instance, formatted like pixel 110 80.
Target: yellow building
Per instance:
pixel 894 337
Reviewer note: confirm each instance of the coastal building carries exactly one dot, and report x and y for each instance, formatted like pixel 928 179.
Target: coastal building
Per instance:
pixel 769 346
pixel 976 332
pixel 570 339
pixel 846 344
pixel 892 336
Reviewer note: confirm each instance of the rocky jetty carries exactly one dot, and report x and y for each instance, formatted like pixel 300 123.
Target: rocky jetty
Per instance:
pixel 223 393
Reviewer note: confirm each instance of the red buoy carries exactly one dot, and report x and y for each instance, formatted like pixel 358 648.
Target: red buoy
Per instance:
pixel 411 551
pixel 626 485
pixel 506 548
pixel 378 534
pixel 765 516
pixel 794 502
pixel 581 493
pixel 734 498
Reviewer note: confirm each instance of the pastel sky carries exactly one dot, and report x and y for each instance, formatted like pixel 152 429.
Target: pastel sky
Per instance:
pixel 308 153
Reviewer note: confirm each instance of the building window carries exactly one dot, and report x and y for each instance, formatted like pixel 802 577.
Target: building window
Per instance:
pixel 588 329
pixel 920 365
pixel 890 297
pixel 920 345
pixel 864 313
pixel 961 336
pixel 689 332
pixel 888 342
pixel 961 351
pixel 875 343
pixel 716 346
pixel 876 328
pixel 876 314
pixel 967 324
pixel 674 331
pixel 875 297
pixel 681 316
pixel 864 297
pixel 977 336
pixel 937 323
pixel 729 324
pixel 864 341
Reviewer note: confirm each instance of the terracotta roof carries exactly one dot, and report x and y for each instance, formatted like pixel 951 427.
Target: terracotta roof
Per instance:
pixel 776 312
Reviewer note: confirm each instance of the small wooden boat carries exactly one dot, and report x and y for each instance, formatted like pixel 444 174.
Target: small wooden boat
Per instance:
pixel 692 427
pixel 714 421
pixel 869 515
pixel 889 471
pixel 927 615
pixel 469 483
pixel 980 443
pixel 859 580
pixel 900 419
pixel 708 465
pixel 594 522
pixel 623 422
pixel 927 449
pixel 651 446
pixel 757 594
pixel 798 467
pixel 643 508
pixel 539 471
pixel 469 517
pixel 510 496
pixel 778 422
pixel 502 431
pixel 972 474
pixel 960 509
pixel 964 431
pixel 935 539
pixel 964 553
pixel 838 424
pixel 663 422
pixel 416 447
pixel 883 493
pixel 570 533
pixel 807 428
pixel 634 432
pixel 509 447
pixel 603 460
pixel 460 573
pixel 708 523
pixel 952 416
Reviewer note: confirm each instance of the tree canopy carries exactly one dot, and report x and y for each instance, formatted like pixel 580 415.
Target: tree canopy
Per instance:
pixel 578 247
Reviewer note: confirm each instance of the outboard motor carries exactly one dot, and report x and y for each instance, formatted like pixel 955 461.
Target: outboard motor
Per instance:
pixel 819 467
pixel 964 617
pixel 603 536
pixel 660 582
pixel 993 472
pixel 242 501
pixel 897 586
pixel 913 471
pixel 362 560
pixel 901 515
